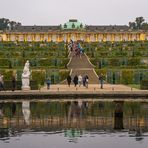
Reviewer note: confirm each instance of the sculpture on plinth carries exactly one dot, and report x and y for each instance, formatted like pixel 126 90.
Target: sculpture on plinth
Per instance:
pixel 26 77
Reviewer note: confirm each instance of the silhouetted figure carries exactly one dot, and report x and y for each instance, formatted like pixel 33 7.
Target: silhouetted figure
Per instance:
pixel 75 80
pixel 101 79
pixel 114 78
pixel 69 80
pixel 118 116
pixel 48 82
pixel 13 83
pixel 86 81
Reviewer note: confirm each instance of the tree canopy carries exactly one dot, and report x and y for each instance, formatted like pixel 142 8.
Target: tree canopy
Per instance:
pixel 7 24
pixel 139 23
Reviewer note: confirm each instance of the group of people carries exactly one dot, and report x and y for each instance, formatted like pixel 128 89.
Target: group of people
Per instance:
pixel 78 80
pixel 2 87
pixel 76 48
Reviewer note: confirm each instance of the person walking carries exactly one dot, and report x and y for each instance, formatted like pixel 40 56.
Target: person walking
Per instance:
pixel 69 80
pixel 13 83
pixel 1 82
pixel 48 82
pixel 86 81
pixel 79 80
pixel 101 77
pixel 75 80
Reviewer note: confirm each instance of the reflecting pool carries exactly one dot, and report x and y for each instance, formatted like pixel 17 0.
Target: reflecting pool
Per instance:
pixel 73 124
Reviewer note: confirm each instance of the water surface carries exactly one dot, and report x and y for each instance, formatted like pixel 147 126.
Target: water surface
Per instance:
pixel 73 124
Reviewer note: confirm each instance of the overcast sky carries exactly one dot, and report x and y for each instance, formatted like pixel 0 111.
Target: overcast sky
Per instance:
pixel 90 12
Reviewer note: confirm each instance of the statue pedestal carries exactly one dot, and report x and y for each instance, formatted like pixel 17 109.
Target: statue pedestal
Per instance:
pixel 26 88
pixel 25 83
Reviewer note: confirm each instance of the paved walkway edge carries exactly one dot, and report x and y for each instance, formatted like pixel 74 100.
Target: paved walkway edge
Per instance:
pixel 74 95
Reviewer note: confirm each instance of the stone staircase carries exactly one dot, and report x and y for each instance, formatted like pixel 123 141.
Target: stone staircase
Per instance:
pixel 79 62
pixel 81 65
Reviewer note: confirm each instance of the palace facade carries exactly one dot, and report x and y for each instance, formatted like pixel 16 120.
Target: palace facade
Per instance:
pixel 73 30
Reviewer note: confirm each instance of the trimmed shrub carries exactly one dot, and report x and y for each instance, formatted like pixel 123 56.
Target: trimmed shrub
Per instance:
pixel 7 74
pixel 127 76
pixel 38 76
pixel 133 61
pixel 114 62
pixel 144 85
pixel 8 85
pixel 4 63
pixel 63 74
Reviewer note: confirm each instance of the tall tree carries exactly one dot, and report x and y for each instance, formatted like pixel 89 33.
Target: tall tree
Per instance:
pixel 4 23
pixel 132 25
pixel 139 21
pixel 144 26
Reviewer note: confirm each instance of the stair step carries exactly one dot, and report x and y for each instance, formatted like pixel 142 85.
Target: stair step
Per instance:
pixel 82 66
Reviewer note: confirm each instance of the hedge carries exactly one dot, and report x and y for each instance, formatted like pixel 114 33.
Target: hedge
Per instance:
pixel 38 76
pixel 144 85
pixel 8 85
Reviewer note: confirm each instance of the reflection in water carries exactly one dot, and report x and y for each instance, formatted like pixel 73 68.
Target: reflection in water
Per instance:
pixel 138 134
pixel 13 108
pixel 74 110
pixel 1 109
pixel 77 111
pixel 118 115
pixel 26 111
pixel 73 119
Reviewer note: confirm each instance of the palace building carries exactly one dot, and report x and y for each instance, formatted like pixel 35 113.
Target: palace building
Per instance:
pixel 73 30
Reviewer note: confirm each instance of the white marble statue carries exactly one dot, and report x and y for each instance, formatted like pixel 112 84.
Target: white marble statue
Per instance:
pixel 26 77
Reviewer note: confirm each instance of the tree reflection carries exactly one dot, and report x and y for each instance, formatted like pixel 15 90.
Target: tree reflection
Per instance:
pixel 118 116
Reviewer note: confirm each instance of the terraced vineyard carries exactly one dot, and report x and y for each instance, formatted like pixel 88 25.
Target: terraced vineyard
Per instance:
pixel 46 60
pixel 121 62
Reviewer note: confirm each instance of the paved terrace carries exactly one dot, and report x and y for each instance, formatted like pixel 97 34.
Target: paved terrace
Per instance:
pixel 65 92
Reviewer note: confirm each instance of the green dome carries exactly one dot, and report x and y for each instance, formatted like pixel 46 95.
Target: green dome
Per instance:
pixel 72 24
